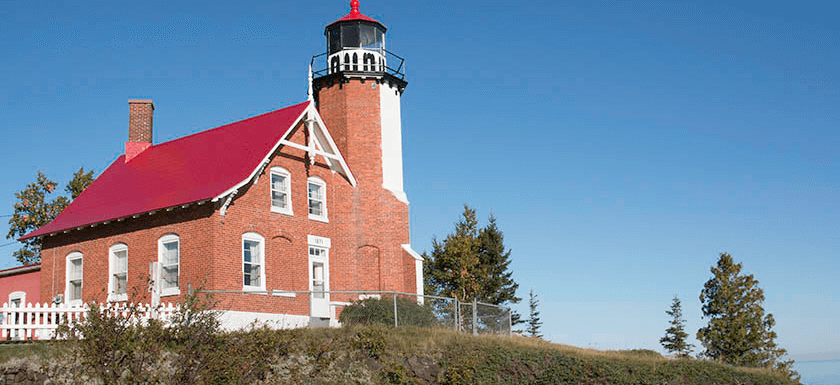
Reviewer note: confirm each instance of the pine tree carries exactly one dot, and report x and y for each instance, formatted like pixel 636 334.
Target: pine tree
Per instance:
pixel 33 210
pixel 497 285
pixel 534 323
pixel 452 269
pixel 675 335
pixel 471 264
pixel 738 332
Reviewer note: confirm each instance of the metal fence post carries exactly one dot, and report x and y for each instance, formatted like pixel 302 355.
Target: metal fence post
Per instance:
pixel 475 318
pixel 510 324
pixel 395 309
pixel 457 315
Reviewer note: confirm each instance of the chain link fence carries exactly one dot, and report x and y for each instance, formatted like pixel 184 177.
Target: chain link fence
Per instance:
pixel 390 307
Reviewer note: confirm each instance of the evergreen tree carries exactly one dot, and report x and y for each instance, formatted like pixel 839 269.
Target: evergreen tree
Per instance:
pixel 738 332
pixel 33 210
pixel 472 264
pixel 497 285
pixel 534 323
pixel 675 335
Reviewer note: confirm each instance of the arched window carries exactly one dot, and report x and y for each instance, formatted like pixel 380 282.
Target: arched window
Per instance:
pixel 347 62
pixel 74 273
pixel 334 64
pixel 281 198
pixel 118 272
pixel 355 62
pixel 253 261
pixel 169 257
pixel 369 60
pixel 317 194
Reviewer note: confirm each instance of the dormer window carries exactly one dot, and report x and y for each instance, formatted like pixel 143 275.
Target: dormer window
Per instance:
pixel 317 192
pixel 281 199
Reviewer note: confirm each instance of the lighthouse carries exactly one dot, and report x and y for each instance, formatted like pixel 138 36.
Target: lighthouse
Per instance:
pixel 357 86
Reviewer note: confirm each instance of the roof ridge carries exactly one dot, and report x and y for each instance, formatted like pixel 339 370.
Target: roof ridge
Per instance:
pixel 227 124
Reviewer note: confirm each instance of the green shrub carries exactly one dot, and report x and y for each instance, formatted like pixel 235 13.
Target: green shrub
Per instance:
pixel 114 346
pixel 373 311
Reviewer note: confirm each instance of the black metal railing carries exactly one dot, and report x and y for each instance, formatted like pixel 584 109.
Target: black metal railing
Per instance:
pixel 394 65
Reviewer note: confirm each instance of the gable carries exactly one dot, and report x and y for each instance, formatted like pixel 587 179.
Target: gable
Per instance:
pixel 205 166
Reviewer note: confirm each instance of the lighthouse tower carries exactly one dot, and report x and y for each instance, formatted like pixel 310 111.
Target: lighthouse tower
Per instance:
pixel 357 85
pixel 358 95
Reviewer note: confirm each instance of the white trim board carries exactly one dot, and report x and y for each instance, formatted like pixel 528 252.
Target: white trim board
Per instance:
pixel 322 129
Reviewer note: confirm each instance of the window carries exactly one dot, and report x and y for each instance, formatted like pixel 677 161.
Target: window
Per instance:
pixel 118 277
pixel 74 274
pixel 317 192
pixel 17 299
pixel 169 257
pixel 253 261
pixel 281 200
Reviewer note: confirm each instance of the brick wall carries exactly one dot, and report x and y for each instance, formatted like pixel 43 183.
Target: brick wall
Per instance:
pixel 366 226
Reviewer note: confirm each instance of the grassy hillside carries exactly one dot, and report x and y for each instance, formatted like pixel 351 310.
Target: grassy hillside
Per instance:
pixel 376 355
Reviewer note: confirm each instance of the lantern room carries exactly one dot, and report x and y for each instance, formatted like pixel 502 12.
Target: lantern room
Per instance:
pixel 355 43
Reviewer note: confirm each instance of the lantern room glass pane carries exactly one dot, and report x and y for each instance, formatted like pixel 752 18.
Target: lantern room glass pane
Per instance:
pixel 334 40
pixel 380 38
pixel 368 36
pixel 350 35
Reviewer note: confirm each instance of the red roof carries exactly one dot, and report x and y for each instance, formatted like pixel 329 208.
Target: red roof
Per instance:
pixel 355 14
pixel 190 169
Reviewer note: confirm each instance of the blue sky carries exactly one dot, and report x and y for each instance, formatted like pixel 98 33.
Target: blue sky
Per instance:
pixel 621 145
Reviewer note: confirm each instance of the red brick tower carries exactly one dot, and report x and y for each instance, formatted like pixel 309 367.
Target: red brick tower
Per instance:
pixel 357 91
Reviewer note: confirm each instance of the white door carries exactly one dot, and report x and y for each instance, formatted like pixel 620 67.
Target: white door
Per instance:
pixel 319 281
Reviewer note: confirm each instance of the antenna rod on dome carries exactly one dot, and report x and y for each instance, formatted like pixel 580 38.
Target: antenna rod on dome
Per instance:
pixel 354 7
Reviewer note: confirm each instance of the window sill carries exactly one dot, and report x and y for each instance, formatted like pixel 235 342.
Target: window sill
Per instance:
pixel 170 292
pixel 254 290
pixel 74 303
pixel 282 211
pixel 319 218
pixel 117 297
pixel 281 293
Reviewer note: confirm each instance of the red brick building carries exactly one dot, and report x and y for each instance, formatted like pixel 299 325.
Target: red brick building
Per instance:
pixel 307 197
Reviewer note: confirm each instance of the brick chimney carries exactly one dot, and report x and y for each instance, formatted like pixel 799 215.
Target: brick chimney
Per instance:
pixel 139 127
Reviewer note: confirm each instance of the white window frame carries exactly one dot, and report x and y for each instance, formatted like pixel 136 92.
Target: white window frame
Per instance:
pixel 67 288
pixel 169 238
pixel 280 171
pixel 319 182
pixel 112 296
pixel 17 296
pixel 254 237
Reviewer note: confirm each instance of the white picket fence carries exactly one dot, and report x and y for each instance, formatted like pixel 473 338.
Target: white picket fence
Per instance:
pixel 39 322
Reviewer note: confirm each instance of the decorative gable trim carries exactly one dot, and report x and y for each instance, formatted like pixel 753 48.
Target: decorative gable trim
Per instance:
pixel 322 144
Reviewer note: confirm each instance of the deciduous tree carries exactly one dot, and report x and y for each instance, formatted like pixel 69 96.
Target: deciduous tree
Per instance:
pixel 675 335
pixel 738 332
pixel 33 209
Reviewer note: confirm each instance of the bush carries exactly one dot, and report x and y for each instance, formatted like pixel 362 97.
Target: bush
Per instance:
pixel 114 346
pixel 372 311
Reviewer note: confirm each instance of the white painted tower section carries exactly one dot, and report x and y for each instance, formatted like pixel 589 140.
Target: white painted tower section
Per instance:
pixel 391 123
